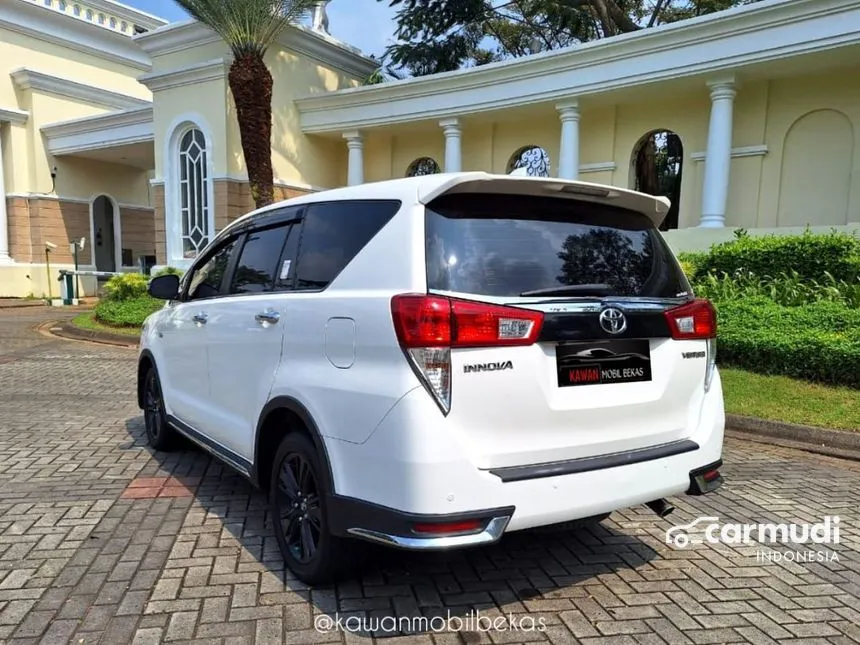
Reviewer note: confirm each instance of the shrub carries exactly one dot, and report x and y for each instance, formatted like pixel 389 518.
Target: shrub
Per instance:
pixel 810 255
pixel 788 290
pixel 690 262
pixel 126 286
pixel 168 271
pixel 130 312
pixel 818 341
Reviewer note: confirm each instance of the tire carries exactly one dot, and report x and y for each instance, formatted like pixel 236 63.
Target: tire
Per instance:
pixel 158 432
pixel 297 498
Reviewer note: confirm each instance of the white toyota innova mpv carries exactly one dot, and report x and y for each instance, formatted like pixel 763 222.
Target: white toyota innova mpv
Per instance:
pixel 432 362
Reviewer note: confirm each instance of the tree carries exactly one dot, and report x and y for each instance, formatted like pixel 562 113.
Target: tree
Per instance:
pixel 249 27
pixel 605 256
pixel 443 35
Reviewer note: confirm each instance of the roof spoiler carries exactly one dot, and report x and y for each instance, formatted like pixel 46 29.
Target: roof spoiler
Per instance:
pixel 653 207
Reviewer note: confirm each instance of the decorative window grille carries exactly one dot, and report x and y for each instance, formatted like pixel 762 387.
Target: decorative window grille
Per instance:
pixel 194 196
pixel 422 166
pixel 533 159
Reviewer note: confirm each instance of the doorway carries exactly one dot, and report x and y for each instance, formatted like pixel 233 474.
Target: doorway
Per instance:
pixel 657 165
pixel 104 234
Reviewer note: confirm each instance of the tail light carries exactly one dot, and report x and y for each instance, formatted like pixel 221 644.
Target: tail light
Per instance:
pixel 696 321
pixel 428 327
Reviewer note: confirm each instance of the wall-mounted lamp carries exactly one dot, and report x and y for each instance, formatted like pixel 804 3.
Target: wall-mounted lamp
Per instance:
pixel 54 179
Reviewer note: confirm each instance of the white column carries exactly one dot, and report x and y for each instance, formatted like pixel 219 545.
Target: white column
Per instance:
pixel 568 156
pixel 453 148
pixel 355 169
pixel 4 220
pixel 718 157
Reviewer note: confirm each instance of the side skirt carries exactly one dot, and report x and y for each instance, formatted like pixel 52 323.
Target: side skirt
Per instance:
pixel 237 462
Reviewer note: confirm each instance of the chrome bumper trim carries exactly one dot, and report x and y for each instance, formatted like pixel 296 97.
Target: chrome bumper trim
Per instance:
pixel 494 530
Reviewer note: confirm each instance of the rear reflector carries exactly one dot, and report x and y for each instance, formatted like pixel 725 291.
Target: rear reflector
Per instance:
pixel 467 526
pixel 711 475
pixel 696 320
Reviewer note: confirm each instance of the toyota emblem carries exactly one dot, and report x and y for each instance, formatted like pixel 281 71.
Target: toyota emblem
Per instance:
pixel 612 320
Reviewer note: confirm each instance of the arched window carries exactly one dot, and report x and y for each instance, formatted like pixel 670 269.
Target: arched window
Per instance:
pixel 90 14
pixel 49 3
pixel 193 193
pixel 113 23
pixel 63 5
pixel 77 10
pixel 422 166
pixel 101 19
pixel 656 165
pixel 533 159
pixel 124 26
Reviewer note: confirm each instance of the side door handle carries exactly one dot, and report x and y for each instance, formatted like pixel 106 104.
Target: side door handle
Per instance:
pixel 201 317
pixel 268 317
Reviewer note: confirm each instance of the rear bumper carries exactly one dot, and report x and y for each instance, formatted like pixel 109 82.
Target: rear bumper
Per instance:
pixel 413 467
pixel 350 517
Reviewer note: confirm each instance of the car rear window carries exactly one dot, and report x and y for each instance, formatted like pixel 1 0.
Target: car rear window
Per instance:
pixel 510 245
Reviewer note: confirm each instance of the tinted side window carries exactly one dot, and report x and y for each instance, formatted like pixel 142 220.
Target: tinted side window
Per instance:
pixel 332 235
pixel 205 282
pixel 255 270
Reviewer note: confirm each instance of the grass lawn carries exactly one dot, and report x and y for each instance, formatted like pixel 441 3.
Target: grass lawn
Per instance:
pixel 87 321
pixel 779 398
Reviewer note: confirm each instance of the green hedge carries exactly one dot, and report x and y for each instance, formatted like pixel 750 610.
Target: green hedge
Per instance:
pixel 810 255
pixel 126 286
pixel 817 342
pixel 126 313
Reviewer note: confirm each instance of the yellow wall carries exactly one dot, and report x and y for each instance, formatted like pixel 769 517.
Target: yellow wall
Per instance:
pixel 28 165
pixel 207 100
pixel 17 50
pixel 809 124
pixel 832 164
pixel 297 159
pixel 79 178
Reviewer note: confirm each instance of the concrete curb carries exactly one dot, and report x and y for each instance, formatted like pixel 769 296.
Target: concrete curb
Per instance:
pixel 844 444
pixel 68 331
pixel 23 304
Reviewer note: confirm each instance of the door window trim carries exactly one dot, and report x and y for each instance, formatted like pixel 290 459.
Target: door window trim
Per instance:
pixel 234 264
pixel 201 262
pixel 288 216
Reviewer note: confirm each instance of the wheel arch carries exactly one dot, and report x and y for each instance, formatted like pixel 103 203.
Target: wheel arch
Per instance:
pixel 145 362
pixel 281 416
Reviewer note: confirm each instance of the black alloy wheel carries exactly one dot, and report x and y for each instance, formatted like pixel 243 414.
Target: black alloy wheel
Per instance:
pixel 300 508
pixel 298 492
pixel 158 432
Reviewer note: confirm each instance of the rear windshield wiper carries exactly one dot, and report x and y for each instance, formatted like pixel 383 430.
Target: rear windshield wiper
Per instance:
pixel 572 290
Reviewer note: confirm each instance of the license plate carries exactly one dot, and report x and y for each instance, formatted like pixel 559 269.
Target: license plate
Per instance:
pixel 603 362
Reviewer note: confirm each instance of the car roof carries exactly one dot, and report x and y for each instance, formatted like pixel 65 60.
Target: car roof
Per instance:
pixel 425 188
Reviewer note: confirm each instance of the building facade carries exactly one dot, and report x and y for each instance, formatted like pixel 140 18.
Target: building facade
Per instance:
pixel 747 118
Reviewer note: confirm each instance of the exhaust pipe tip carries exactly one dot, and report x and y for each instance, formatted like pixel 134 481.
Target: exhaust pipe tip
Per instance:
pixel 661 507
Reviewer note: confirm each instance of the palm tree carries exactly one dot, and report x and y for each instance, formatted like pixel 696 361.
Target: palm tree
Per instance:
pixel 249 27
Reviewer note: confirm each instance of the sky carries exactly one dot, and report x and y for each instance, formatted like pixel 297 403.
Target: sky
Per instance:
pixel 366 24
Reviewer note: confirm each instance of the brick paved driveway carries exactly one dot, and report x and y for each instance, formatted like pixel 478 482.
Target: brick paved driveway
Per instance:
pixel 86 559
